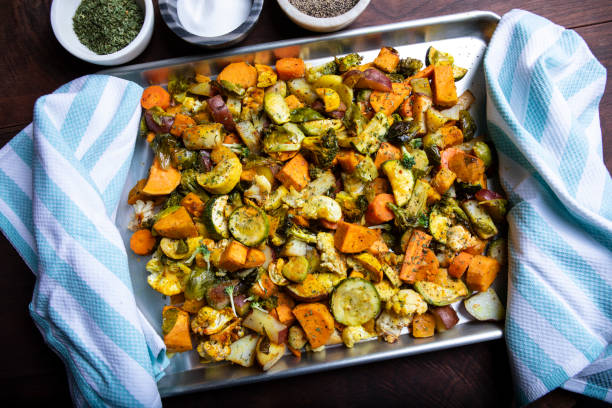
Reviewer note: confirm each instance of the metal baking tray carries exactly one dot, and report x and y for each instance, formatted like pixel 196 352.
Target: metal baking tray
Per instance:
pixel 465 36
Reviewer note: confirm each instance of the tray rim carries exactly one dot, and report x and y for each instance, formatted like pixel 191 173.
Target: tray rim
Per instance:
pixel 475 332
pixel 447 19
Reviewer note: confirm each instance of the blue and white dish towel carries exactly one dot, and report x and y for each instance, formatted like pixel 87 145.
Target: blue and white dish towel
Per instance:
pixel 62 177
pixel 61 180
pixel 543 92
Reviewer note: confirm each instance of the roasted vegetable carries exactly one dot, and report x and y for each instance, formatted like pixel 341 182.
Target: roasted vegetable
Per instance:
pixel 347 62
pixel 277 194
pixel 409 66
pixel 324 148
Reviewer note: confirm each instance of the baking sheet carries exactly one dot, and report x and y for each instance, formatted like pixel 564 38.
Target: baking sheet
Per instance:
pixel 465 36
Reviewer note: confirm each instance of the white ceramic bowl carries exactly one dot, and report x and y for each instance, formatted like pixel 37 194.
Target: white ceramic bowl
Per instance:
pixel 323 24
pixel 62 12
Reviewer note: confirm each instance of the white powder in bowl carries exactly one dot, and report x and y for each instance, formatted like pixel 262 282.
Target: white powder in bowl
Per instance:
pixel 211 18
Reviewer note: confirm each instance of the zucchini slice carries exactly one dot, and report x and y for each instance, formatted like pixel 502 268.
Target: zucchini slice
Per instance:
pixel 355 301
pixel 214 217
pixel 249 225
pixel 439 295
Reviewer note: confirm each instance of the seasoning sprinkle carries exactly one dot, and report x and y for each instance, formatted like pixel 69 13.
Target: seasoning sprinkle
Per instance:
pixel 106 26
pixel 324 8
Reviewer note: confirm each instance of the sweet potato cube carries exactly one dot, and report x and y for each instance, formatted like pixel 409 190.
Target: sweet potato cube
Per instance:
pixel 348 160
pixel 481 273
pixel 423 325
pixel 234 256
pixel 254 258
pixel 451 136
pixel 161 181
pixel 193 204
pixel 181 122
pixel 317 322
pixel 386 152
pixel 293 102
pixel 176 225
pixel 290 68
pixel 380 185
pixel 445 92
pixel 294 173
pixel 283 314
pixel 239 73
pixel 387 59
pixel 178 338
pixel 460 264
pixel 443 180
pixel 353 238
pixel 413 259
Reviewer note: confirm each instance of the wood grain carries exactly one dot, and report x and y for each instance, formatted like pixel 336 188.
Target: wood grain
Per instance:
pixel 33 64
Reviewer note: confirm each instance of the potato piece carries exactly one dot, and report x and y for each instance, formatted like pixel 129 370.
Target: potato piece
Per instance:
pixel 268 353
pixel 243 350
pixel 485 306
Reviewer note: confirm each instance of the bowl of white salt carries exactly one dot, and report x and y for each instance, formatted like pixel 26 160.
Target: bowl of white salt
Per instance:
pixel 323 15
pixel 211 23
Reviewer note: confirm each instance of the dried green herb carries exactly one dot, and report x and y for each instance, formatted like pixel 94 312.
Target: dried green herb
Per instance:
pixel 106 26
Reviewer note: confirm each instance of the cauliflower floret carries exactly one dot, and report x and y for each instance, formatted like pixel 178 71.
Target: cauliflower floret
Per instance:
pixel 406 302
pixel 294 198
pixel 389 325
pixel 167 279
pixel 213 350
pixel 322 207
pixel 459 238
pixel 210 321
pixel 143 214
pixel 229 334
pixel 354 334
pixel 385 290
pixel 331 260
pixel 259 190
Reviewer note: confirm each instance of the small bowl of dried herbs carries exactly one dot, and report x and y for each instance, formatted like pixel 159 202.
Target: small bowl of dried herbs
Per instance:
pixel 323 15
pixel 103 32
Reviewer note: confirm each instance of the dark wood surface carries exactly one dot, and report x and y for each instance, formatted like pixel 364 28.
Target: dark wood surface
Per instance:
pixel 34 63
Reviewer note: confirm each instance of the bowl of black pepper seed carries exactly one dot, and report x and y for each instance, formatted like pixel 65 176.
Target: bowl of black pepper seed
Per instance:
pixel 323 15
pixel 103 32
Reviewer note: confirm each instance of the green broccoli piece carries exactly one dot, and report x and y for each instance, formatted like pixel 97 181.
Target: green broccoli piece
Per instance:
pixel 407 159
pixel 302 234
pixel 405 218
pixel 348 61
pixel 352 208
pixel 409 66
pixel 314 73
pixel 324 148
pixel 395 77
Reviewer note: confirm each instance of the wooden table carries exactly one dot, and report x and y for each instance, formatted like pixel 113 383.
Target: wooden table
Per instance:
pixel 34 63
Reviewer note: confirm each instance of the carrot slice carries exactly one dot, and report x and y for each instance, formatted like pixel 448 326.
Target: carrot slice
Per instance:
pixel 155 96
pixel 142 242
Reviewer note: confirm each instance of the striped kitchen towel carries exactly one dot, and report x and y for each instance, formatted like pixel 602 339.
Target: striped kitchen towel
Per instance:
pixel 543 92
pixel 61 181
